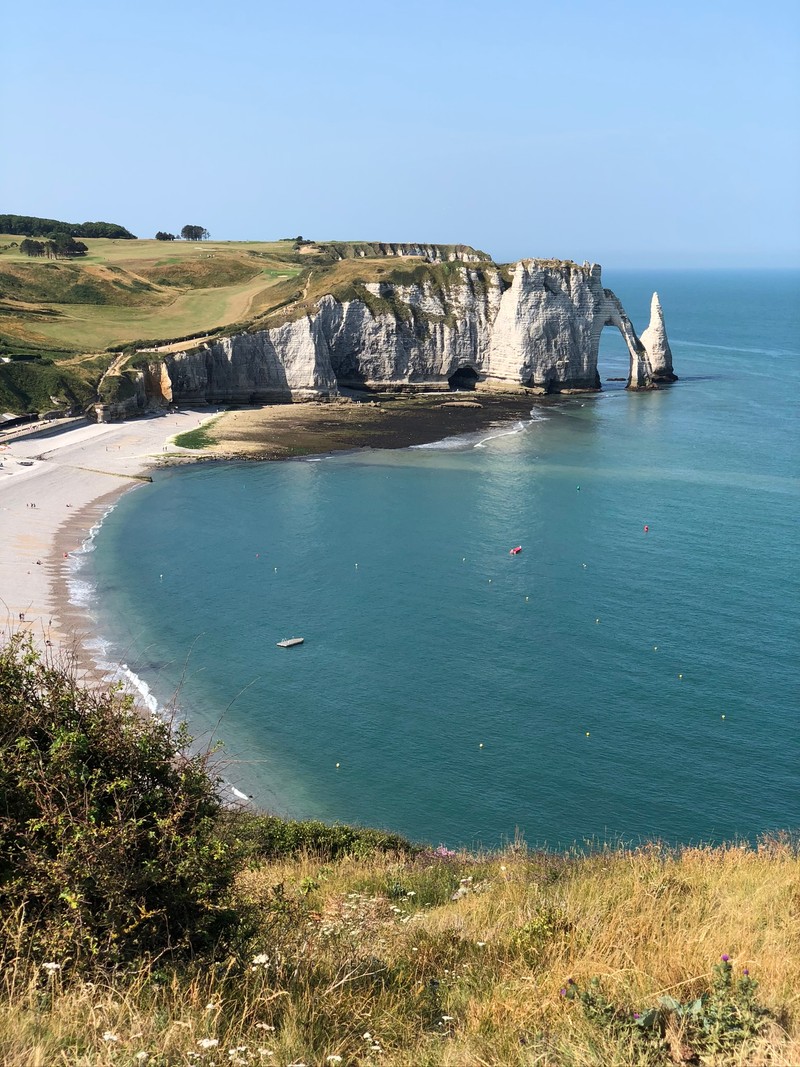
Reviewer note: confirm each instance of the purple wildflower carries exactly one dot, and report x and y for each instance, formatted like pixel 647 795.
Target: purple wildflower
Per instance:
pixel 637 1015
pixel 725 957
pixel 563 991
pixel 746 971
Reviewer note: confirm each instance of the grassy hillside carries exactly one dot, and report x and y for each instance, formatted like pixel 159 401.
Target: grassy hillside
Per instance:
pixel 140 294
pixel 143 922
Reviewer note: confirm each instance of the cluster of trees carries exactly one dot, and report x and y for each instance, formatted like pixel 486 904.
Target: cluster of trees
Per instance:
pixel 188 233
pixel 58 246
pixel 32 226
pixel 195 233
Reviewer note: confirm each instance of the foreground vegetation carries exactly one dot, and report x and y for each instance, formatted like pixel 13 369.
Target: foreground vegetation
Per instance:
pixel 143 922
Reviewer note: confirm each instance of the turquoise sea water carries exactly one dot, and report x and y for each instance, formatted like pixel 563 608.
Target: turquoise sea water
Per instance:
pixel 425 639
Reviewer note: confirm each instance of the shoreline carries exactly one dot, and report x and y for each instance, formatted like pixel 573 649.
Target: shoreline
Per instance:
pixel 56 483
pixel 74 474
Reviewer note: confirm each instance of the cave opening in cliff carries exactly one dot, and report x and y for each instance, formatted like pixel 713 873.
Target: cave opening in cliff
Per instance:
pixel 613 359
pixel 464 378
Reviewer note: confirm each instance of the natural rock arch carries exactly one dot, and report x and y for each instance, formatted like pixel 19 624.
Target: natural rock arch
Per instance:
pixel 651 358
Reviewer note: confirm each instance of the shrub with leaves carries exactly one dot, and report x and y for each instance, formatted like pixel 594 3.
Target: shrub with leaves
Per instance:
pixel 109 830
pixel 718 1022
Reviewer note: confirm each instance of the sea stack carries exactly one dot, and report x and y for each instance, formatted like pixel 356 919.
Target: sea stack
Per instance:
pixel 656 345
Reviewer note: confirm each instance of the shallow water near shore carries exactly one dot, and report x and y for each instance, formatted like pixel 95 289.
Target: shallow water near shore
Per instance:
pixel 606 682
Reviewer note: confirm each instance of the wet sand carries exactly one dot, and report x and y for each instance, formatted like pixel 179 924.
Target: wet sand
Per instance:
pixel 286 430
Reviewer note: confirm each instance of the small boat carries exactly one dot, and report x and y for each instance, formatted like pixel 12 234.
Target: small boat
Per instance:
pixel 515 551
pixel 290 642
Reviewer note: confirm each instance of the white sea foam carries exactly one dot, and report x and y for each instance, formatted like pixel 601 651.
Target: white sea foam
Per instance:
pixel 736 348
pixel 479 438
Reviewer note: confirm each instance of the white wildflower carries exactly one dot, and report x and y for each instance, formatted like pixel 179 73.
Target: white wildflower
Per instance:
pixel 411 893
pixel 51 967
pixel 367 1036
pixel 447 1018
pixel 481 944
pixel 264 1026
pixel 237 1051
pixel 333 1059
pixel 108 1036
pixel 142 1057
pixel 208 1042
pixel 265 1052
pixel 213 1005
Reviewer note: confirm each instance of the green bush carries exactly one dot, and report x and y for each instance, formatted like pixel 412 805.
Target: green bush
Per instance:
pixel 266 837
pixel 110 842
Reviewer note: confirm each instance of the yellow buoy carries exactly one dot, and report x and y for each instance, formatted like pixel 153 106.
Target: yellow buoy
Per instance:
pixel 587 733
pixel 680 676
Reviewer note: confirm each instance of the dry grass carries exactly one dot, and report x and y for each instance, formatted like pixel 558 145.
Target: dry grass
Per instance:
pixel 442 960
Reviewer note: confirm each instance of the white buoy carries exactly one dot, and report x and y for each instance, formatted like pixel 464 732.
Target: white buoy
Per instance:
pixel 238 793
pixel 481 744
pixel 337 766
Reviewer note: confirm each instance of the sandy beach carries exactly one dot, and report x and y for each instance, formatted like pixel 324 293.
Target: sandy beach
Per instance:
pixel 56 482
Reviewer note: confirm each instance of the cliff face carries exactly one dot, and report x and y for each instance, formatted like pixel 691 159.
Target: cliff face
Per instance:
pixel 538 331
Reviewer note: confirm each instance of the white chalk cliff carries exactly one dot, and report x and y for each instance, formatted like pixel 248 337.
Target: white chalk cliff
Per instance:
pixel 534 326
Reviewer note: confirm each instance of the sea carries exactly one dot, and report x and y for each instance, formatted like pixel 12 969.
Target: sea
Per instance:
pixel 630 675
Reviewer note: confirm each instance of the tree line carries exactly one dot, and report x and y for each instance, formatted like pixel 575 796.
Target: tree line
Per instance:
pixel 32 226
pixel 58 246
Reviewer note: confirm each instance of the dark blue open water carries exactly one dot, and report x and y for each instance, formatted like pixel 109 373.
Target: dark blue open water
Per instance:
pixel 621 683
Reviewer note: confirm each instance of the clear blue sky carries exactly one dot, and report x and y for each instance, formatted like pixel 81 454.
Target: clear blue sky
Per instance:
pixel 628 133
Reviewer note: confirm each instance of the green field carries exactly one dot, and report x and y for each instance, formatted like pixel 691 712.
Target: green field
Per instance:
pixel 129 290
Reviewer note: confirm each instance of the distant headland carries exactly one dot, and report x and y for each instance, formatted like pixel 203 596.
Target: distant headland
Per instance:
pixel 135 325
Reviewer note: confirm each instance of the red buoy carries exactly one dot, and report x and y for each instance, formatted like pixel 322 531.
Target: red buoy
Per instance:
pixel 647 529
pixel 515 551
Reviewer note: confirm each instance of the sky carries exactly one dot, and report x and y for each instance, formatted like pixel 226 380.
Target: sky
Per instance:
pixel 633 134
